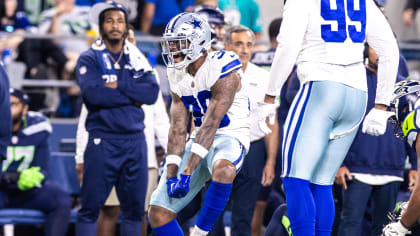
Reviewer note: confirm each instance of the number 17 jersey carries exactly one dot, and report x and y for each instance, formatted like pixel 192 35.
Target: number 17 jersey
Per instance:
pixel 195 93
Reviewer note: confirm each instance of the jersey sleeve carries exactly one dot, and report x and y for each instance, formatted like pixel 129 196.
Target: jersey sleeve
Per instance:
pixel 222 64
pixel 380 37
pixel 290 38
pixel 411 127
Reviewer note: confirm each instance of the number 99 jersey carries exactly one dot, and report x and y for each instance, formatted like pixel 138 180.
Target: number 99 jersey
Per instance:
pixel 195 92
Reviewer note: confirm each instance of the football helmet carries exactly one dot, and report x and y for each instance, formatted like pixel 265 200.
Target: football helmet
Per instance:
pixel 404 100
pixel 187 36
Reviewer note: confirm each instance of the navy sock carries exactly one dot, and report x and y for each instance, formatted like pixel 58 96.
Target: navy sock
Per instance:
pixel 300 206
pixel 215 201
pixel 324 203
pixel 172 228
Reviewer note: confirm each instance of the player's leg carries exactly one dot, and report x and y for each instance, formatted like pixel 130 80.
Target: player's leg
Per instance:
pixel 224 164
pixel 163 209
pixel 383 201
pixel 349 115
pixel 305 138
pixel 355 200
pixel 55 203
pixel 131 186
pixel 108 216
pixel 246 188
pixel 99 175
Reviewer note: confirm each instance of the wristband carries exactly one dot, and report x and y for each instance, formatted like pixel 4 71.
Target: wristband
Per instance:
pixel 173 159
pixel 199 150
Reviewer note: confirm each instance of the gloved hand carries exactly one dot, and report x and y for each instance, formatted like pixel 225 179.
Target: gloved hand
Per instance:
pixel 30 178
pixel 376 121
pixel 395 229
pixel 266 110
pixel 178 188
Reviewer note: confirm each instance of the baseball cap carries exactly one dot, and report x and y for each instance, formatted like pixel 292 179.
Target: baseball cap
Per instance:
pixel 22 96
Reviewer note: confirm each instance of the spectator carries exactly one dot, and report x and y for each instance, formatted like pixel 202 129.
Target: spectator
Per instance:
pixel 258 166
pixel 6 124
pixel 157 13
pixel 23 184
pixel 244 12
pixel 409 12
pixel 115 80
pixel 216 20
pixel 373 169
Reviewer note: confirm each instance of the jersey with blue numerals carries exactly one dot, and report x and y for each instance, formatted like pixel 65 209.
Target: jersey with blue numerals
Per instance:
pixel 29 146
pixel 195 92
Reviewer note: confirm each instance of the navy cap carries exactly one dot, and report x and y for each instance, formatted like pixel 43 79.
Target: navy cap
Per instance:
pixel 98 8
pixel 23 97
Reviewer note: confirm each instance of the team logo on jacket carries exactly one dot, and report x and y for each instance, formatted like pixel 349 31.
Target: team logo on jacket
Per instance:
pixel 97 141
pixel 83 70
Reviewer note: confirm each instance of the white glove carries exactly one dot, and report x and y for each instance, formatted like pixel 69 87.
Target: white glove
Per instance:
pixel 266 110
pixel 375 122
pixel 395 229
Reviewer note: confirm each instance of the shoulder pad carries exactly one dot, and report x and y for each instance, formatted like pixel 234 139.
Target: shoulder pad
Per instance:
pixel 225 62
pixel 36 123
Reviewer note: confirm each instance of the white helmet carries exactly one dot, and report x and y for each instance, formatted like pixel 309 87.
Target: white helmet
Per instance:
pixel 187 35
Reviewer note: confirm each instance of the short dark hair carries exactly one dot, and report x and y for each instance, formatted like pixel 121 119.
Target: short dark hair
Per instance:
pixel 274 28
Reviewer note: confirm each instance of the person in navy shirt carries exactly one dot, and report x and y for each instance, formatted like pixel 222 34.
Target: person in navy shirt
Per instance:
pixel 23 183
pixel 115 80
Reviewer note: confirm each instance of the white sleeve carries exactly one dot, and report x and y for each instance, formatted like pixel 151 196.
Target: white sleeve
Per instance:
pixel 380 37
pixel 290 38
pixel 161 122
pixel 82 136
pixel 161 119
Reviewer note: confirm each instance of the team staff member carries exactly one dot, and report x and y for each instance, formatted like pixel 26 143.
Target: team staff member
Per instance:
pixel 115 80
pixel 23 183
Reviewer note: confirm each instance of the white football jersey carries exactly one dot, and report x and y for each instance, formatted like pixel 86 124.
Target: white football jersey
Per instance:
pixel 195 92
pixel 333 32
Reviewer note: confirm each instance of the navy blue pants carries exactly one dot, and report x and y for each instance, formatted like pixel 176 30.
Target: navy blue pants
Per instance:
pixel 355 201
pixel 49 199
pixel 246 187
pixel 109 162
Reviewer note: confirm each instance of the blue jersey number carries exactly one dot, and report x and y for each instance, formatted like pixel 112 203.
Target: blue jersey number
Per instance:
pixel 198 106
pixel 338 14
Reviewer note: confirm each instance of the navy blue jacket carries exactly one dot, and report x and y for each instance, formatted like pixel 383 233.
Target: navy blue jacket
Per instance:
pixel 114 113
pixel 28 146
pixel 380 155
pixel 5 113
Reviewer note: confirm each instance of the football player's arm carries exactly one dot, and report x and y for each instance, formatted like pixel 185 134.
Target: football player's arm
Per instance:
pixel 92 86
pixel 290 38
pixel 223 93
pixel 177 132
pixel 143 90
pixel 412 214
pixel 380 37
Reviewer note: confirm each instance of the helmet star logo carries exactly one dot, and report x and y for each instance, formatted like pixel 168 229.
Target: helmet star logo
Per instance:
pixel 195 23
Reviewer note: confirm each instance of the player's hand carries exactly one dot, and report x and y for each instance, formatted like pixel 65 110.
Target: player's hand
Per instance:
pixel 340 177
pixel 266 110
pixel 412 176
pixel 395 229
pixel 178 188
pixel 375 122
pixel 79 171
pixel 268 175
pixel 30 178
